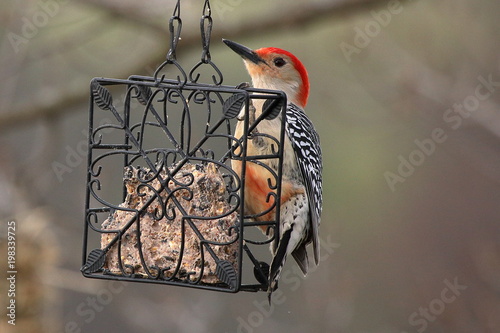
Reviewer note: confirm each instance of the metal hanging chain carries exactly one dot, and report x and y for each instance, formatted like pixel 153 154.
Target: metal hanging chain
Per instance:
pixel 175 36
pixel 174 27
pixel 206 33
pixel 206 24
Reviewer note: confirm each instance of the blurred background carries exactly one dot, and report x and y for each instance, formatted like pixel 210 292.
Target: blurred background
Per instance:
pixel 405 96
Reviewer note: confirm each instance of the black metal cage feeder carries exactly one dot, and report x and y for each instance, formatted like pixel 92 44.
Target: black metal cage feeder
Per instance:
pixel 164 201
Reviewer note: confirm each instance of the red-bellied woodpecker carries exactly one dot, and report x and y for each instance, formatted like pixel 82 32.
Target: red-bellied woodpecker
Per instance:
pixel 301 196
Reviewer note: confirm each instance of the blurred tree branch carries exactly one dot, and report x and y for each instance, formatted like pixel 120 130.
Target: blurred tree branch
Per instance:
pixel 291 16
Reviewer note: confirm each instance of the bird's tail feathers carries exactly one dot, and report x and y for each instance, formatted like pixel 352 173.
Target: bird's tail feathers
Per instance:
pixel 300 256
pixel 278 262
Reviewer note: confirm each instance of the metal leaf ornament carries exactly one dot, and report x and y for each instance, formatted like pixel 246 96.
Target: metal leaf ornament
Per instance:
pixel 95 261
pixel 226 273
pixel 233 105
pixel 272 108
pixel 102 96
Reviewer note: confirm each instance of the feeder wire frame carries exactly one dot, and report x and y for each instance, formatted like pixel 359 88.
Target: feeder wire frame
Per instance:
pixel 143 91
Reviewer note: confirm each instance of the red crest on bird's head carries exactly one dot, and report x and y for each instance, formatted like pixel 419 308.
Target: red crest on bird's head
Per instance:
pixel 268 53
pixel 276 69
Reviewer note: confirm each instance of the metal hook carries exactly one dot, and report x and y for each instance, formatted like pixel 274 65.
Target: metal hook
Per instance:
pixel 175 35
pixel 206 7
pixel 175 28
pixel 206 32
pixel 206 24
pixel 205 37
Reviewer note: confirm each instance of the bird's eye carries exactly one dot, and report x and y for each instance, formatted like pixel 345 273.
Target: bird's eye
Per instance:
pixel 279 62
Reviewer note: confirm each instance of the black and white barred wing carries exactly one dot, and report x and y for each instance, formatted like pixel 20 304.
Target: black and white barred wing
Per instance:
pixel 306 145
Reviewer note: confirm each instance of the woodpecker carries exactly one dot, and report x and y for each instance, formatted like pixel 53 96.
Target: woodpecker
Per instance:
pixel 301 196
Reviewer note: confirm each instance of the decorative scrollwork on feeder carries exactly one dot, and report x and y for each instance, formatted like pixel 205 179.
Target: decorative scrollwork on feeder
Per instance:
pixel 163 204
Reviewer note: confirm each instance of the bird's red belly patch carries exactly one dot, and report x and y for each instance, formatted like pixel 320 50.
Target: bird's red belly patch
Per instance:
pixel 257 197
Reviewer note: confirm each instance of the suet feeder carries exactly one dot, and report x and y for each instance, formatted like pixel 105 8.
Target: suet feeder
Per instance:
pixel 163 204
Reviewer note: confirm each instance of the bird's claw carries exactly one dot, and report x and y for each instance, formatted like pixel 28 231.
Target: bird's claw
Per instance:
pixel 243 85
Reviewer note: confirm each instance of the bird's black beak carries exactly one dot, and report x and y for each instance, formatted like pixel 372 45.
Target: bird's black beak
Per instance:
pixel 244 51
